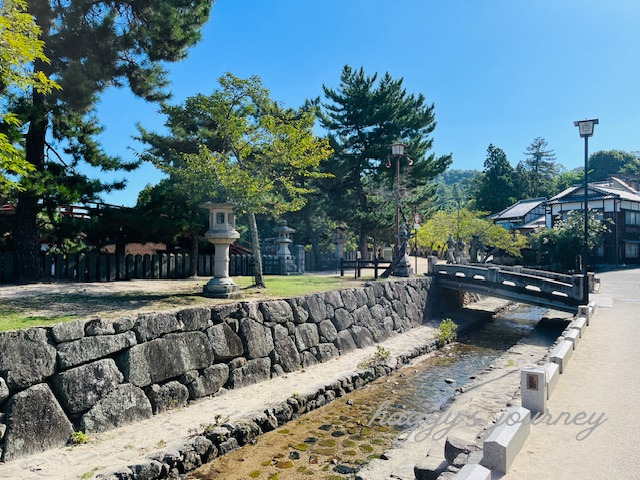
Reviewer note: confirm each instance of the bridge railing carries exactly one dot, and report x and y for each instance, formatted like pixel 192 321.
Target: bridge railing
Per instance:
pixel 535 285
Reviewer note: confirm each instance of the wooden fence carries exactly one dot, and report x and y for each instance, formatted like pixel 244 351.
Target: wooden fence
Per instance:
pixel 108 267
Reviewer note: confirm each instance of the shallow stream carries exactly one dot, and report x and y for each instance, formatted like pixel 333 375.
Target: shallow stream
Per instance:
pixel 332 442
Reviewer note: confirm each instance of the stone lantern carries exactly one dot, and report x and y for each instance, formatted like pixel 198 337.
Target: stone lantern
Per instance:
pixel 222 233
pixel 283 241
pixel 339 239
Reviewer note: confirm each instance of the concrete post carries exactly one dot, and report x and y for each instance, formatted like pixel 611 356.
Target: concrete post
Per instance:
pixel 533 388
pixel 431 264
pixel 577 291
pixel 492 274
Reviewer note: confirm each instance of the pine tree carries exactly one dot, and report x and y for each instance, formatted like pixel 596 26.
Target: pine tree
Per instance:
pixel 364 117
pixel 541 167
pixel 91 46
pixel 496 189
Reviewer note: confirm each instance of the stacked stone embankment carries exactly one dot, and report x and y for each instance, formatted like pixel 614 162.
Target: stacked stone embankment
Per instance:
pixel 97 375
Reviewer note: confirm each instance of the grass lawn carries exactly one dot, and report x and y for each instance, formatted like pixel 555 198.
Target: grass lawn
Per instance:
pixel 72 301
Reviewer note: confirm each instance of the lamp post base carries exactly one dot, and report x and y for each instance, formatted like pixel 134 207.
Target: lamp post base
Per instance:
pixel 221 288
pixel 403 269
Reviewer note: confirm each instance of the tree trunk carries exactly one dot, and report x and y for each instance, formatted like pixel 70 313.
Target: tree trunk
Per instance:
pixel 362 245
pixel 194 251
pixel 257 255
pixel 313 238
pixel 25 233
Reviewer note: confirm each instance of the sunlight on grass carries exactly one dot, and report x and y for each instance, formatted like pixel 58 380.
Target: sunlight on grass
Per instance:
pixel 292 286
pixel 12 320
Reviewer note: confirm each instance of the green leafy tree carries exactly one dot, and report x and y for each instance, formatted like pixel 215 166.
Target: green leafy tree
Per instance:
pixel 611 162
pixel 541 168
pixel 568 178
pixel 496 189
pixel 91 46
pixel 466 225
pixel 364 116
pixel 19 48
pixel 565 241
pixel 263 152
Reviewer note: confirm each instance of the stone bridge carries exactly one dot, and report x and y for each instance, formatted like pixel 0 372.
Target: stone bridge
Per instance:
pixel 535 287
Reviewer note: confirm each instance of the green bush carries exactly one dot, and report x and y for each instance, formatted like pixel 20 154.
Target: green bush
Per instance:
pixel 447 331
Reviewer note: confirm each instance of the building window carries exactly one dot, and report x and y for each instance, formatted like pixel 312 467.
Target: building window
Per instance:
pixel 631 218
pixel 631 250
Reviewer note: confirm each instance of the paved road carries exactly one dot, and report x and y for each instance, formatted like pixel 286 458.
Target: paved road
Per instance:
pixel 602 377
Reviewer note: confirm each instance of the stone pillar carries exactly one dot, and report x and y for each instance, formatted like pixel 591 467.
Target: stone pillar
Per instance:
pixel 431 264
pixel 533 388
pixel 222 233
pixel 339 238
pixel 492 274
pixel 577 291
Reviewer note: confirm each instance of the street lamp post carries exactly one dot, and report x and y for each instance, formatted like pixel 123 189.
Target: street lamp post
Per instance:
pixel 397 152
pixel 402 266
pixel 585 127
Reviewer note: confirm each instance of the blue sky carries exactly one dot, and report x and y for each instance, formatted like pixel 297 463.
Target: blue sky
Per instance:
pixel 498 71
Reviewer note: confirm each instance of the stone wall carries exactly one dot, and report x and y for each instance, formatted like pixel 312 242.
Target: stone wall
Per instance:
pixel 96 375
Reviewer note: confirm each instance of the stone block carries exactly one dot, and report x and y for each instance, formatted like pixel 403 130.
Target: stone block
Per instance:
pixel 306 336
pixel 123 324
pixel 165 358
pixel 454 446
pixel 362 336
pixel 256 338
pixel 334 299
pixel 196 318
pixel 154 325
pixel 290 359
pixel 167 397
pixel 327 351
pixel 429 468
pixel 126 404
pixel 308 359
pixel 473 472
pixel 573 336
pixel 210 380
pixel 4 390
pixel 254 371
pixel 99 326
pixel 349 299
pixel 80 388
pixel 361 297
pixel 363 317
pixel 35 423
pixel 552 375
pixel 88 349
pixel 328 332
pixel 533 388
pixel 226 344
pixel 579 323
pixel 219 313
pixel 68 331
pixel 561 354
pixel 344 342
pixel 315 307
pixel 149 470
pixel 277 311
pixel 505 440
pixel 342 319
pixel 27 358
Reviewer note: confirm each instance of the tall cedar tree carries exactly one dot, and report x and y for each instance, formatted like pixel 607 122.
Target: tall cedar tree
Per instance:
pixel 540 163
pixel 91 46
pixel 364 116
pixel 496 190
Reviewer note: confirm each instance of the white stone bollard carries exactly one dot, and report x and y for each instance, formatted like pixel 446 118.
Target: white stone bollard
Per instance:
pixel 579 323
pixel 473 472
pixel 533 388
pixel 561 354
pixel 585 311
pixel 504 442
pixel 573 336
pixel 553 375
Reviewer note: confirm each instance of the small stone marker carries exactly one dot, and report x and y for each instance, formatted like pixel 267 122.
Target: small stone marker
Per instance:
pixel 504 442
pixel 561 354
pixel 533 388
pixel 553 375
pixel 474 472
pixel 580 323
pixel 573 336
